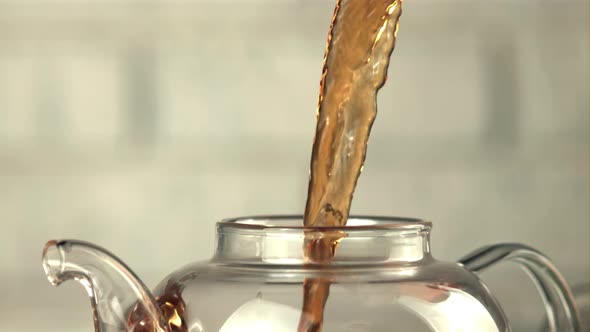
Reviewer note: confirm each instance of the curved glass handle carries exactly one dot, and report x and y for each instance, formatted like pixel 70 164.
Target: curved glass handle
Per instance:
pixel 562 314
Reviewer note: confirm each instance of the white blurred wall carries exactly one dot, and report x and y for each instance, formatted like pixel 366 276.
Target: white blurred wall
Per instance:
pixel 137 125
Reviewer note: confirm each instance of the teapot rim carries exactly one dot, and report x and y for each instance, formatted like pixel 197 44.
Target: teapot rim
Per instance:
pixel 355 222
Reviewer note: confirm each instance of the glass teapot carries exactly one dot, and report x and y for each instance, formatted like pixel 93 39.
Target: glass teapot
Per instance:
pixel 382 277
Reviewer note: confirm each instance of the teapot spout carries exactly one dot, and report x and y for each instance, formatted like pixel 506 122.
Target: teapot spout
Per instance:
pixel 120 301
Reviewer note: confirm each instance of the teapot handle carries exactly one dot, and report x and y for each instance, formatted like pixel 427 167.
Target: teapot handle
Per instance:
pixel 562 314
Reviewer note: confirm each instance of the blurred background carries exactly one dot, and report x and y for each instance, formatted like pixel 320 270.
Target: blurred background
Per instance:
pixel 139 124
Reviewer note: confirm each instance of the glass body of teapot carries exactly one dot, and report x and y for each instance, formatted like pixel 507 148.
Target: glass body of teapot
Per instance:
pixel 382 277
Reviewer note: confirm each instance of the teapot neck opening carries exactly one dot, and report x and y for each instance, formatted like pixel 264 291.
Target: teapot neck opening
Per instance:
pixel 280 240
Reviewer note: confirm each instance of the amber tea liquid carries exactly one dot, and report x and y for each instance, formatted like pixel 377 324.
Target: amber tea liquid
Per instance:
pixel 360 41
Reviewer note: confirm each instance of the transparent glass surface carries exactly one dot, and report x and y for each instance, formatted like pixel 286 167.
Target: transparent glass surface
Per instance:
pixel 383 277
